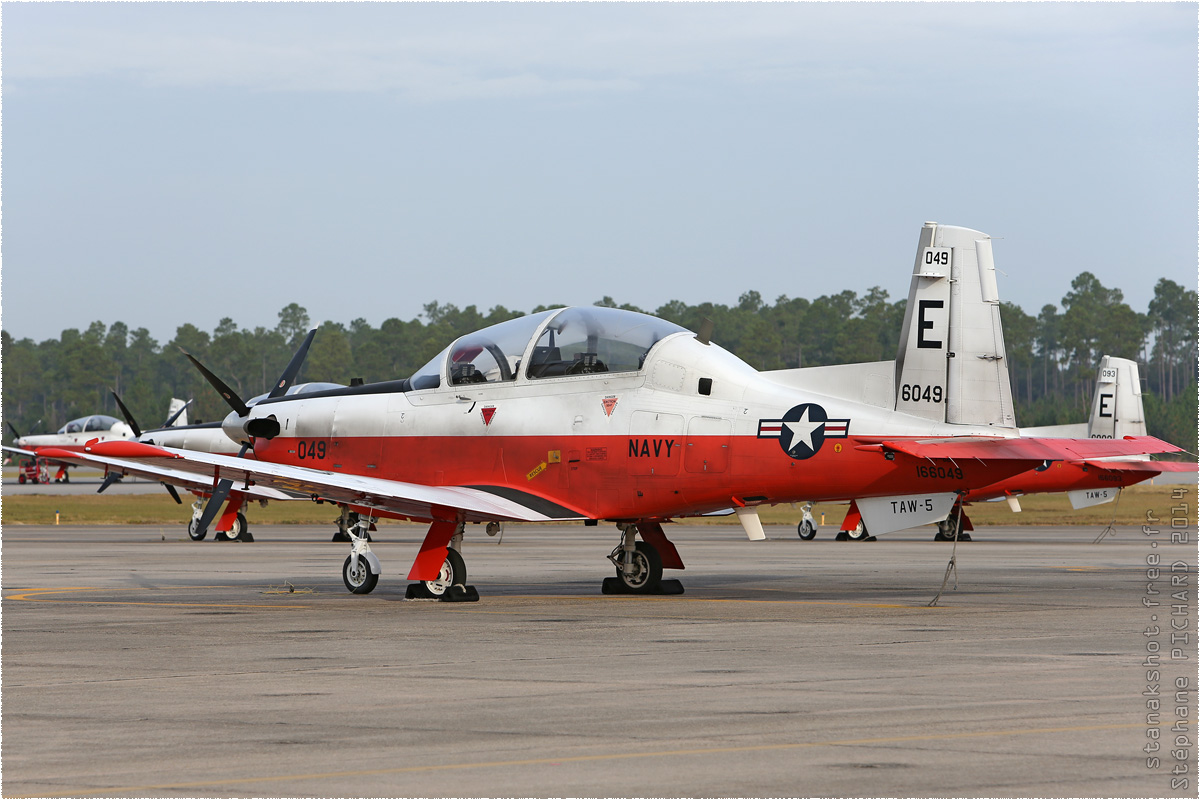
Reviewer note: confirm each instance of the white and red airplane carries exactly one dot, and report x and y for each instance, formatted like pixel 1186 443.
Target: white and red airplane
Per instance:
pixel 598 413
pixel 71 436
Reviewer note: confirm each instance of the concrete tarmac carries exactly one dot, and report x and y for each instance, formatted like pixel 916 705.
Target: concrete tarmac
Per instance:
pixel 139 663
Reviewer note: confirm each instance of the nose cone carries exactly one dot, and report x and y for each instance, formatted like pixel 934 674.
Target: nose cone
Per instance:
pixel 21 442
pixel 233 426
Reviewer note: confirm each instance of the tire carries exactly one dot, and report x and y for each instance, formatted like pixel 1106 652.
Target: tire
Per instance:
pixel 859 533
pixel 362 580
pixel 235 531
pixel 454 570
pixel 806 530
pixel 647 570
pixel 66 477
pixel 193 524
pixel 945 531
pixel 20 479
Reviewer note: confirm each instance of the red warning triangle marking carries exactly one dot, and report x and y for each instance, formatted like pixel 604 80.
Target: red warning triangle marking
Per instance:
pixel 488 412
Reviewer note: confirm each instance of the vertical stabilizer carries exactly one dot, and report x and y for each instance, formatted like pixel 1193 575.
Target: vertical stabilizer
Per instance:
pixel 1117 409
pixel 951 365
pixel 174 408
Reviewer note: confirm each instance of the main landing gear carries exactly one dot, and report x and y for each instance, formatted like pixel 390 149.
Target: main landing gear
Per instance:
pixel 238 530
pixel 946 529
pixel 640 564
pixel 856 534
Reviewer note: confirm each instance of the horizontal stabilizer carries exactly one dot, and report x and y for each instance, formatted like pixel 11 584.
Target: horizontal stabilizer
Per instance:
pixel 1023 448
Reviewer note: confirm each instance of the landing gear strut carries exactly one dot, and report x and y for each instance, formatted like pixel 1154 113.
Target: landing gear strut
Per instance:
pixel 347 520
pixel 361 569
pixel 639 566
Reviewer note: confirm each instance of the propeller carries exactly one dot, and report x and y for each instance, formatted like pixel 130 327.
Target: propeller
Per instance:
pixel 137 431
pixel 15 434
pixel 113 477
pixel 266 428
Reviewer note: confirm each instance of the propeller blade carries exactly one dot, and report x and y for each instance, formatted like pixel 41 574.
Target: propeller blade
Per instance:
pixel 174 494
pixel 109 480
pixel 231 397
pixel 175 416
pixel 14 432
pixel 216 501
pixel 128 417
pixel 293 367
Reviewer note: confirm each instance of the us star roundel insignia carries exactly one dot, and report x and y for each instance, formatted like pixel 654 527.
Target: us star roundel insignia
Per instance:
pixel 803 429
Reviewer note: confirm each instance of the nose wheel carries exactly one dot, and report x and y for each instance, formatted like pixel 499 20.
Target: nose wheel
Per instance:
pixel 361 569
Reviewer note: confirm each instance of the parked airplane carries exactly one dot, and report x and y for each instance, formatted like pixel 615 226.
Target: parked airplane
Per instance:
pixel 598 413
pixel 208 437
pixel 71 436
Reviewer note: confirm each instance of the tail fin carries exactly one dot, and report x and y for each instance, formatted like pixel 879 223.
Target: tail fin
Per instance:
pixel 179 407
pixel 1117 409
pixel 951 365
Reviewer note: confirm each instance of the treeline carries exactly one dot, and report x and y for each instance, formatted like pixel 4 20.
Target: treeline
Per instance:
pixel 1053 355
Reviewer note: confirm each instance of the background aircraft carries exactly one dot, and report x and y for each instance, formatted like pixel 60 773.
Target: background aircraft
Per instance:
pixel 70 436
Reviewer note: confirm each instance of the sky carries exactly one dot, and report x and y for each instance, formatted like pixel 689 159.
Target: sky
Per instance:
pixel 167 163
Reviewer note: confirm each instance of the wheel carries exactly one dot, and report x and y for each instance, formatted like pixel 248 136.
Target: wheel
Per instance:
pixel 193 530
pixel 647 569
pixel 859 533
pixel 20 479
pixel 806 529
pixel 945 531
pixel 454 570
pixel 66 477
pixel 235 531
pixel 359 580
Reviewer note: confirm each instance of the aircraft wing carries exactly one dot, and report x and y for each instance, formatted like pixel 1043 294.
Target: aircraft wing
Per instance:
pixel 19 451
pixel 476 504
pixel 1025 448
pixel 175 477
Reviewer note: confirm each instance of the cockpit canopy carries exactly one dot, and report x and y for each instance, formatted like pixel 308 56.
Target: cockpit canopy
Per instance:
pixel 96 422
pixel 550 344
